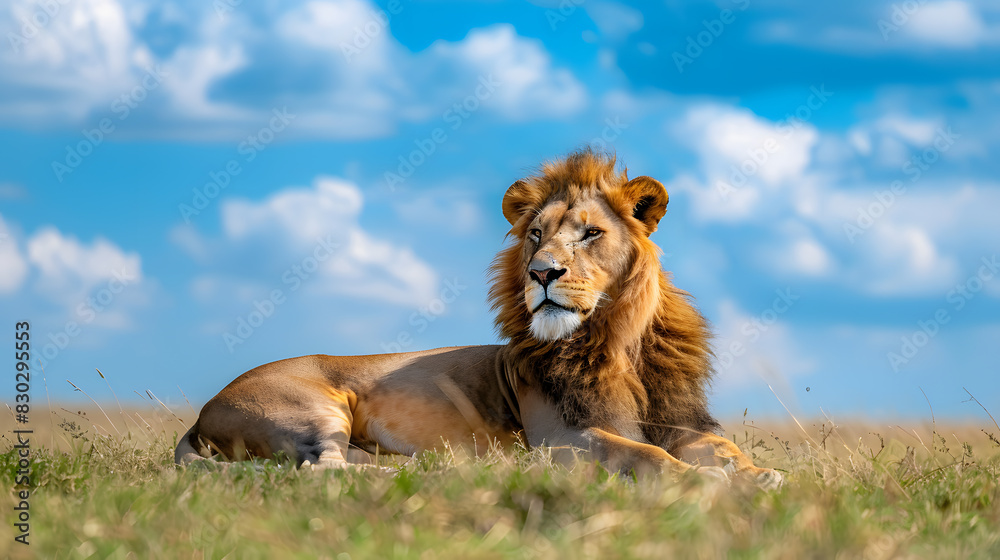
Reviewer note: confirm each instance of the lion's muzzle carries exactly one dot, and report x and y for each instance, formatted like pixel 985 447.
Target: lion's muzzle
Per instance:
pixel 554 316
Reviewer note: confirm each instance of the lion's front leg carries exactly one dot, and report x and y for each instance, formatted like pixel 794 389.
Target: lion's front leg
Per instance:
pixel 544 427
pixel 711 450
pixel 624 455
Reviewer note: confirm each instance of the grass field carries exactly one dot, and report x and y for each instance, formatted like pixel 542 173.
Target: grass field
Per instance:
pixel 108 489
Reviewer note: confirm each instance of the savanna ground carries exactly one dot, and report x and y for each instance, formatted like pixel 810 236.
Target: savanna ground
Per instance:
pixel 104 486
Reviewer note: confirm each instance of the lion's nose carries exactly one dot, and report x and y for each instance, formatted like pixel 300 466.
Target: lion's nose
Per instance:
pixel 546 276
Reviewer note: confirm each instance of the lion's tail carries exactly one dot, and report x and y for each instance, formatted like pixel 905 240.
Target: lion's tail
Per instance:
pixel 186 451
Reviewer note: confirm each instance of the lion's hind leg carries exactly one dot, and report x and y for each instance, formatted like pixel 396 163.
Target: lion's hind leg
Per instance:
pixel 186 452
pixel 307 422
pixel 709 450
pixel 323 437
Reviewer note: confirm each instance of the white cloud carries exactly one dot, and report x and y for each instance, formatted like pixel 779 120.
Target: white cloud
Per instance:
pixel 738 137
pixel 304 214
pixel 951 23
pixel 335 63
pixel 915 245
pixel 192 71
pixel 94 283
pixel 917 132
pixel 742 157
pixel 82 56
pixel 353 29
pixel 913 28
pixel 804 256
pixel 528 84
pixel 905 261
pixel 69 269
pixel 375 269
pixel 910 244
pixel 13 267
pixel 296 221
pixel 892 137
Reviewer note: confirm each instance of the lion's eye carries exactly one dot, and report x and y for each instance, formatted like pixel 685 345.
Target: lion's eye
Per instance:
pixel 592 232
pixel 535 234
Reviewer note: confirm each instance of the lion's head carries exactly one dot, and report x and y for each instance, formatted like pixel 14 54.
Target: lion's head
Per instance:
pixel 581 251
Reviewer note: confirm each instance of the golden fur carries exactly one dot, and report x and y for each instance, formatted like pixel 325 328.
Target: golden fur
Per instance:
pixel 603 355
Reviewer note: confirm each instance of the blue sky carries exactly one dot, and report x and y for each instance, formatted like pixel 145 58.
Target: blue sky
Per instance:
pixel 188 189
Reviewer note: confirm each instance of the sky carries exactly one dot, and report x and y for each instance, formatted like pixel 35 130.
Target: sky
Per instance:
pixel 191 189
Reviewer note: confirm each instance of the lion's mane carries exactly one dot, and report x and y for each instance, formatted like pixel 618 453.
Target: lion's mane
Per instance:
pixel 643 355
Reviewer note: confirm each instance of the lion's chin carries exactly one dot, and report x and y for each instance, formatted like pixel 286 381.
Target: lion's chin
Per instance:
pixel 554 323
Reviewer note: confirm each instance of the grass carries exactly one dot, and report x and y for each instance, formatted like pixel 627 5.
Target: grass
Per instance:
pixel 105 492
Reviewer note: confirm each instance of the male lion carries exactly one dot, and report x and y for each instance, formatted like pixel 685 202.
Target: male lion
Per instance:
pixel 604 355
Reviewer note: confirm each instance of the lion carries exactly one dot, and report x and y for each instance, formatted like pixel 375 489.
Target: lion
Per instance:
pixel 604 358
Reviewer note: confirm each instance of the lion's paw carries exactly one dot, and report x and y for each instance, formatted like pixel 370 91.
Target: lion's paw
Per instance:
pixel 715 475
pixel 770 480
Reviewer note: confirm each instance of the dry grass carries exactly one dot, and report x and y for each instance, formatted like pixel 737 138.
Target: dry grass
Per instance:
pixel 106 488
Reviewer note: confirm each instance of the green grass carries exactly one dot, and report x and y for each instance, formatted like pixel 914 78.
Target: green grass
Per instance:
pixel 113 496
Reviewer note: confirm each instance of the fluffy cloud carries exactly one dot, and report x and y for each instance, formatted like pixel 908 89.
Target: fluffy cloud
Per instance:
pixel 890 138
pixel 70 269
pixel 80 54
pixel 741 159
pixel 803 255
pixel 320 220
pixel 951 23
pixel 909 28
pixel 905 261
pixel 303 214
pixel 527 85
pixel 732 139
pixel 334 63
pixel 94 283
pixel 818 224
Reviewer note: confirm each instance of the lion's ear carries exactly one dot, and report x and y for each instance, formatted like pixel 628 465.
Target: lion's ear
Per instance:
pixel 648 199
pixel 516 201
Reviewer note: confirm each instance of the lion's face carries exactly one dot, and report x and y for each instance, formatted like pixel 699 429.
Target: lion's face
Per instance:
pixel 580 227
pixel 573 254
